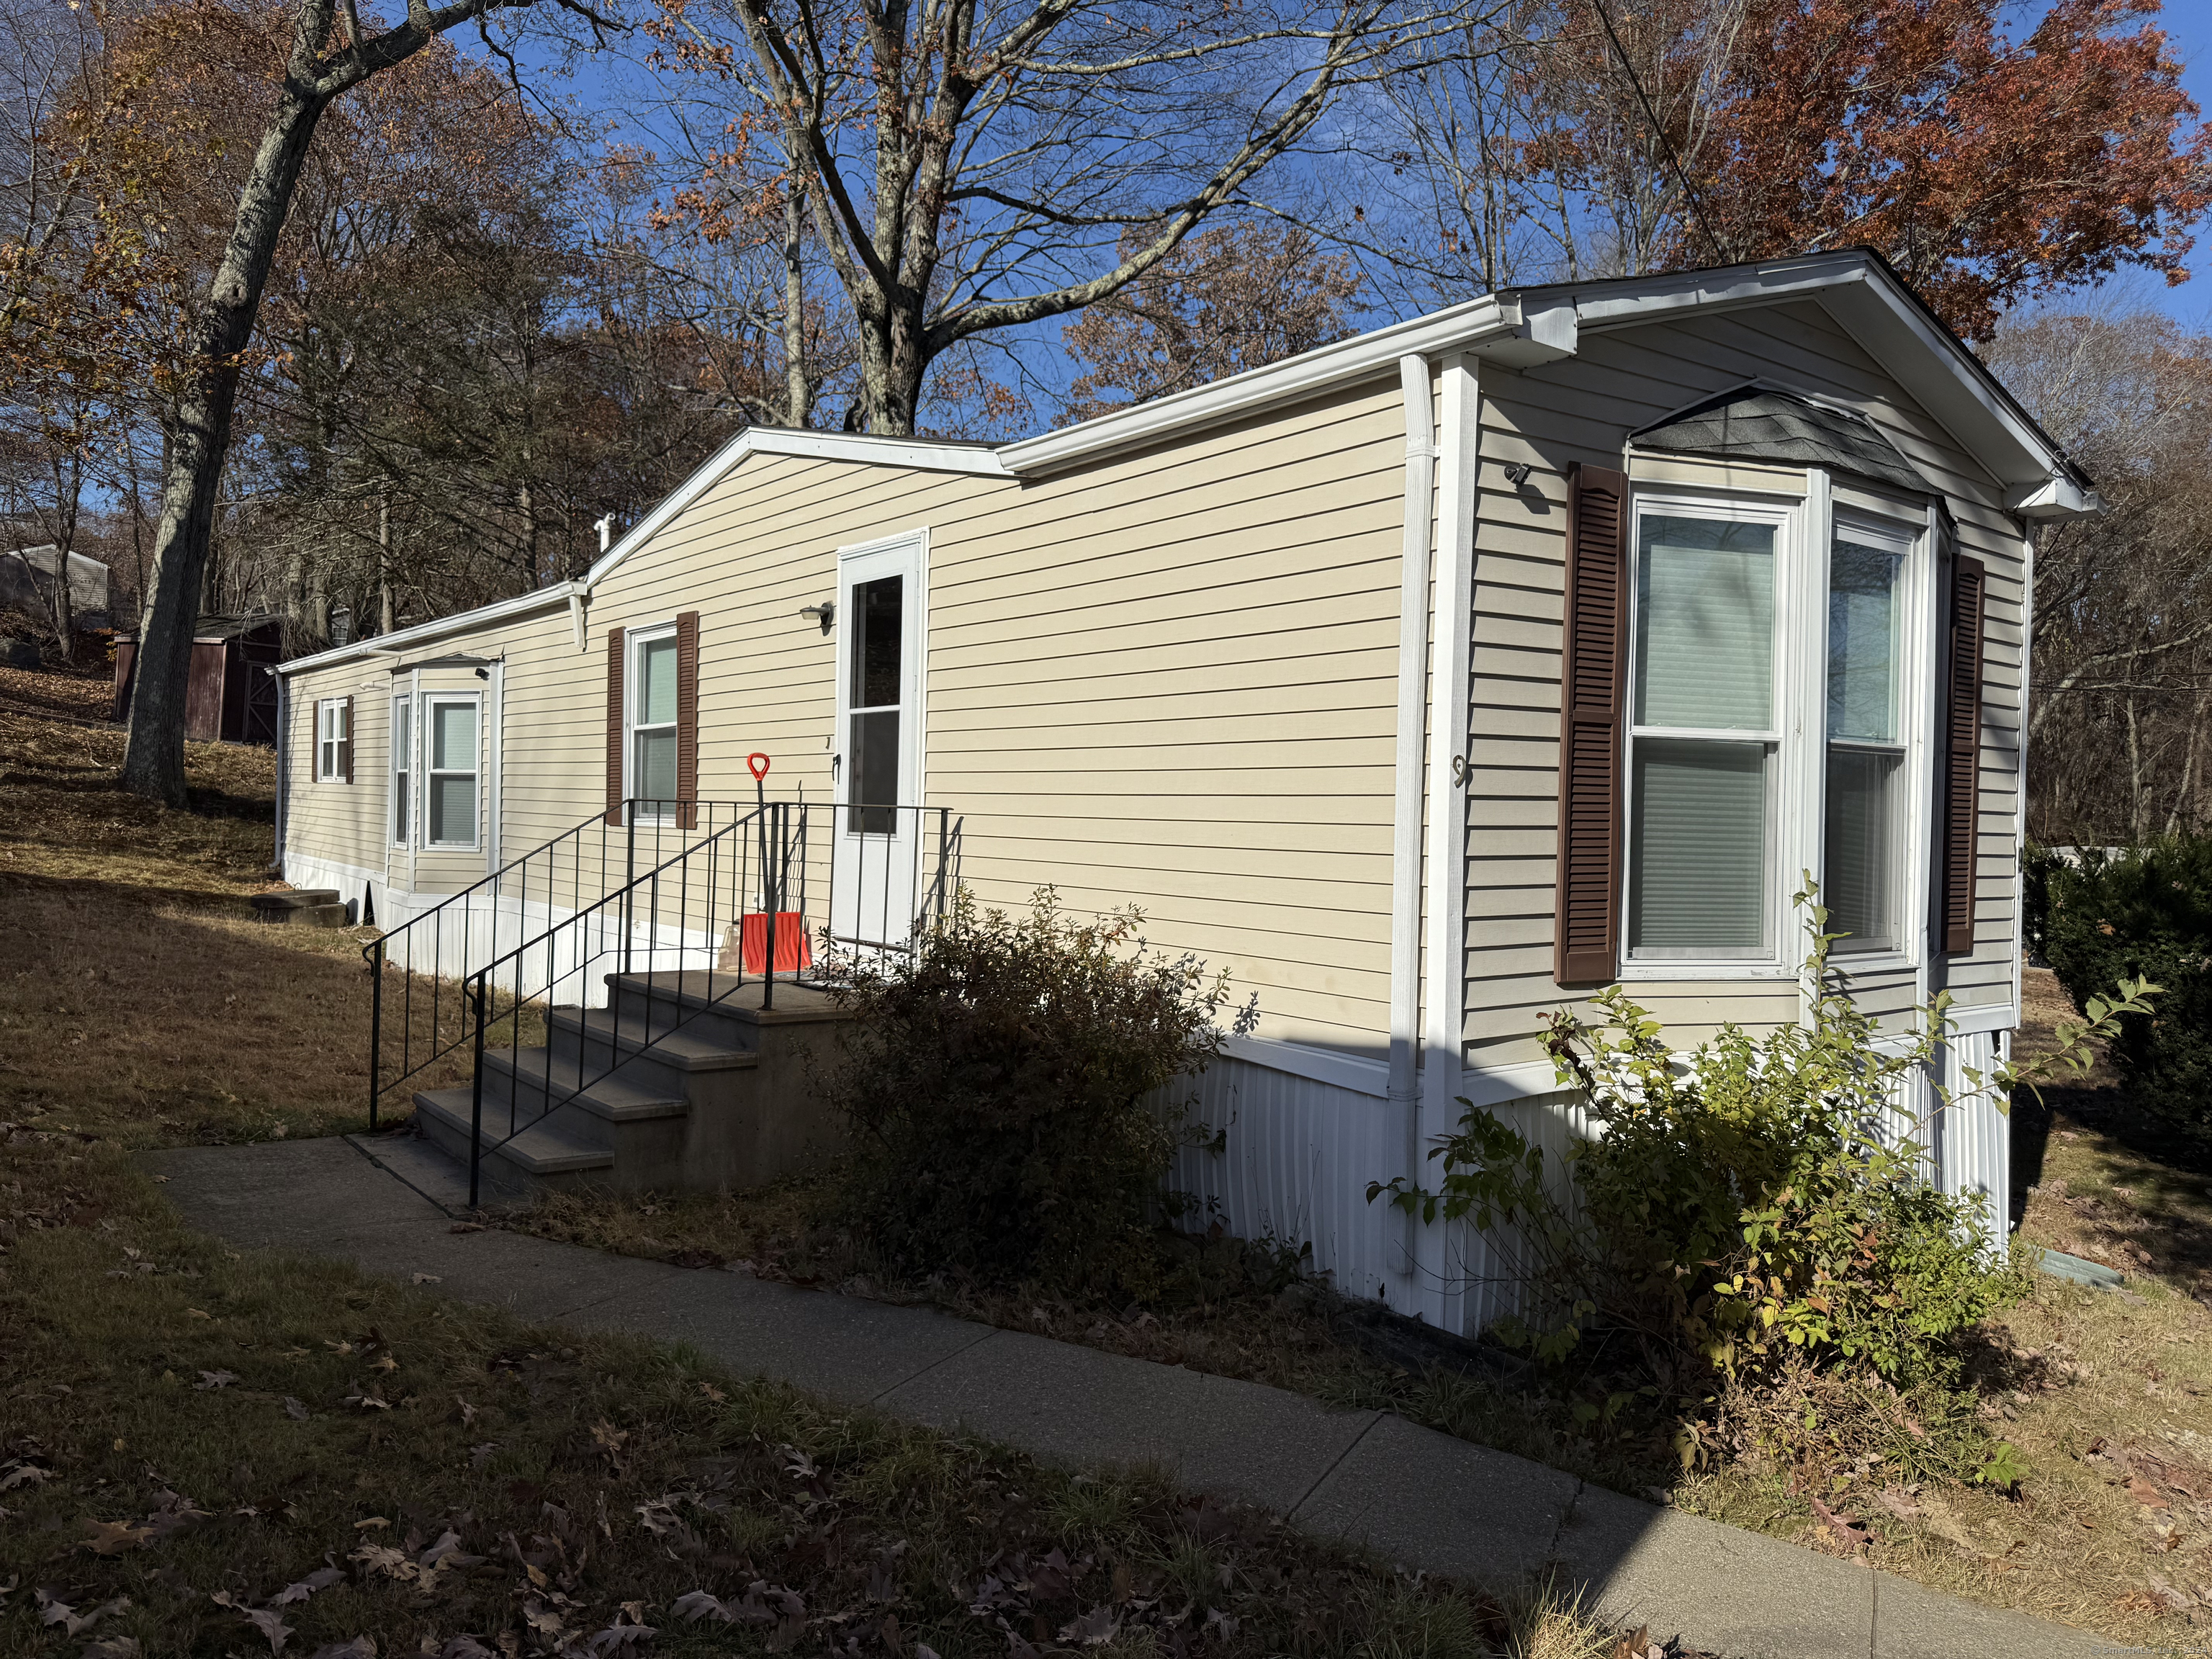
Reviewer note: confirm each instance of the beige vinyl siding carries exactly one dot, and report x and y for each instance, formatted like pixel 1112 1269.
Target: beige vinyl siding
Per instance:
pixel 1167 679
pixel 1582 409
pixel 1170 679
pixel 339 823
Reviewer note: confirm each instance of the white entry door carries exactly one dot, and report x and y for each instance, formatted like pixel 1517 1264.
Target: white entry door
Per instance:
pixel 877 839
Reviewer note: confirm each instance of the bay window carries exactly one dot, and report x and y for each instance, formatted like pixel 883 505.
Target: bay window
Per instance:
pixel 1864 842
pixel 1770 717
pixel 1702 735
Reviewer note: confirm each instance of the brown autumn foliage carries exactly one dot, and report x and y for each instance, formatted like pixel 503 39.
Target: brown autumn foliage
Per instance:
pixel 1229 299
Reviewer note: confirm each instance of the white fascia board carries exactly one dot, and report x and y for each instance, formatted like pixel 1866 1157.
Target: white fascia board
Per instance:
pixel 1488 326
pixel 916 454
pixel 396 644
pixel 1945 378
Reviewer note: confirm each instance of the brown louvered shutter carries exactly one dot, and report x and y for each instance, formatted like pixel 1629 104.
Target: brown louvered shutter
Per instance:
pixel 614 725
pixel 345 740
pixel 1586 937
pixel 1963 751
pixel 686 719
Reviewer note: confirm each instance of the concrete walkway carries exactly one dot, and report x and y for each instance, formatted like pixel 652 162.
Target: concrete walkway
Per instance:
pixel 1422 1498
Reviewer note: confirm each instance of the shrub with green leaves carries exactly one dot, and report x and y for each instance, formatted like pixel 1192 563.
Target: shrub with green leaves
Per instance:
pixel 1000 1088
pixel 1755 1202
pixel 2145 913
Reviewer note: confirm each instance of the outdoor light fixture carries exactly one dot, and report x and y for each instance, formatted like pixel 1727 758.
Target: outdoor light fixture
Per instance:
pixel 825 613
pixel 1516 474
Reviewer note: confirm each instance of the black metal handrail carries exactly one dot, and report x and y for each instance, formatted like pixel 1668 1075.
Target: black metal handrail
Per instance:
pixel 590 859
pixel 754 870
pixel 610 927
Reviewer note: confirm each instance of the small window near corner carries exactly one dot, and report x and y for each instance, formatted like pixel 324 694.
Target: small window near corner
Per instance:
pixel 334 740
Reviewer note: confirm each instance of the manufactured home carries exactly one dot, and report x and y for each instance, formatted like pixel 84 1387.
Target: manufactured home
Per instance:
pixel 1426 682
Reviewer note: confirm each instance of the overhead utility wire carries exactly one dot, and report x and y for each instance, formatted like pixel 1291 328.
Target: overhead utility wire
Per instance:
pixel 1697 207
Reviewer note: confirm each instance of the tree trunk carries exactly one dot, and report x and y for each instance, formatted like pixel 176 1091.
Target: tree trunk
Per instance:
pixel 199 439
pixel 384 564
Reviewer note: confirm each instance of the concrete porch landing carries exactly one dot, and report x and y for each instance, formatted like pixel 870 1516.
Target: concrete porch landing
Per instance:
pixel 1421 1499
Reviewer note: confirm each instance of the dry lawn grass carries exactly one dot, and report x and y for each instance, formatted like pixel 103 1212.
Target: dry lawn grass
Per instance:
pixel 2107 1398
pixel 200 1450
pixel 139 999
pixel 2129 1375
pixel 346 1462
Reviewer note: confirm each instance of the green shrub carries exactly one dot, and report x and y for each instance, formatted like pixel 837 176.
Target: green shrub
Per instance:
pixel 2037 864
pixel 997 1085
pixel 1738 1210
pixel 2146 913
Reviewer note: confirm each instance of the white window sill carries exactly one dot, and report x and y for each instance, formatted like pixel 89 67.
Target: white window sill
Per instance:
pixel 1692 972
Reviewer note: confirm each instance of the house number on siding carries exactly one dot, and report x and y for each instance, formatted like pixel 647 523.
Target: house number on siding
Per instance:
pixel 1460 771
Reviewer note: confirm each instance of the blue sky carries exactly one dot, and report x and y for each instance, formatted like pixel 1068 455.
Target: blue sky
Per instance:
pixel 2189 25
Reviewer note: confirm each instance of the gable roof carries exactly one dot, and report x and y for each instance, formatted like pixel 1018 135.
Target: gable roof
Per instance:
pixel 1521 328
pixel 1765 423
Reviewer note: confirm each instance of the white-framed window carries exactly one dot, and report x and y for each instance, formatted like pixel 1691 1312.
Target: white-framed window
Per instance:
pixel 450 794
pixel 402 769
pixel 334 740
pixel 649 713
pixel 1868 845
pixel 1774 715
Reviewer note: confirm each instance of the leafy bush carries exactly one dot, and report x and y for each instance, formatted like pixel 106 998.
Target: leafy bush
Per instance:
pixel 1742 1212
pixel 997 1085
pixel 2146 913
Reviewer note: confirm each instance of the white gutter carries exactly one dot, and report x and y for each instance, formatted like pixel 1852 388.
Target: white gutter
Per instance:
pixel 1491 327
pixel 396 644
pixel 1412 713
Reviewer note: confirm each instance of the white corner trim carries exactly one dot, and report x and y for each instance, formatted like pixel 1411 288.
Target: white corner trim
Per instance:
pixel 1412 706
pixel 1487 321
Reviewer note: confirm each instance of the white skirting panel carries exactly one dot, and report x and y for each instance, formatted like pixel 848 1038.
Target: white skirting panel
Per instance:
pixel 1296 1155
pixel 490 927
pixel 1294 1161
pixel 1973 1139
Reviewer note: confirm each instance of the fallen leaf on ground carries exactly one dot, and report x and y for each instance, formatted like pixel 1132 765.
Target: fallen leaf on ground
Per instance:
pixel 267 1620
pixel 294 1410
pixel 210 1380
pixel 321 1579
pixel 53 1612
pixel 113 1537
pixel 1851 1531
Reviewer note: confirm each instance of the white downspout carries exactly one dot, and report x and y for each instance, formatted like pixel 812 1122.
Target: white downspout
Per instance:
pixel 1441 1301
pixel 1405 841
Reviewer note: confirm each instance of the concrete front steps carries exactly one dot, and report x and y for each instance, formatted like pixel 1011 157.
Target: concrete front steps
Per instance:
pixel 683 1082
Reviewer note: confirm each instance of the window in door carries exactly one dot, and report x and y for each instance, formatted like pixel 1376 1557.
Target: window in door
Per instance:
pixel 1703 736
pixel 450 791
pixel 879 679
pixel 652 738
pixel 403 764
